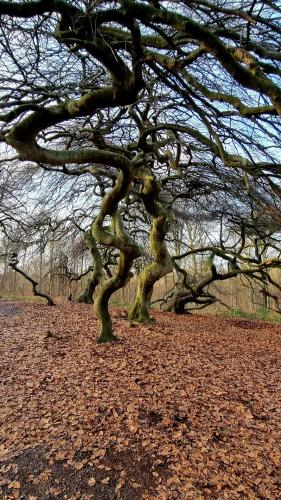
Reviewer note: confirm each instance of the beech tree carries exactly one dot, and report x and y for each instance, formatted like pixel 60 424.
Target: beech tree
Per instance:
pixel 245 245
pixel 142 95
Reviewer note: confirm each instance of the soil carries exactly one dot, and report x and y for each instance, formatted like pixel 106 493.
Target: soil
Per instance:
pixel 189 407
pixel 8 309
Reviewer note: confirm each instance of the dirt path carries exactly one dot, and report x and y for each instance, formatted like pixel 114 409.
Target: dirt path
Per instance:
pixel 8 309
pixel 187 408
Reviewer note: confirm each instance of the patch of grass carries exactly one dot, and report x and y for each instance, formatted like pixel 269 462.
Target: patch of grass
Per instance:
pixel 22 298
pixel 117 303
pixel 262 314
pixel 238 313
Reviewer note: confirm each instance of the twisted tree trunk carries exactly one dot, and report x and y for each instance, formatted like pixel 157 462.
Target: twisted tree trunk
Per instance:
pixel 117 237
pixel 162 263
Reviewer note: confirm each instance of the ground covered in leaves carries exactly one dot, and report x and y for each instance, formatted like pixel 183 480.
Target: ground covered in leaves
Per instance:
pixel 186 408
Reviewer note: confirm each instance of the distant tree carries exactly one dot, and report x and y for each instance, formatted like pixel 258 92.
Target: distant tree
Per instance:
pixel 35 287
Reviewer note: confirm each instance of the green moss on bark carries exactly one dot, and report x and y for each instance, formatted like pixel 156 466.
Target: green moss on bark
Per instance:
pixel 162 263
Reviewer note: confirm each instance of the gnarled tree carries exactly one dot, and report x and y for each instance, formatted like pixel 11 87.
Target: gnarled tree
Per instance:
pixel 203 77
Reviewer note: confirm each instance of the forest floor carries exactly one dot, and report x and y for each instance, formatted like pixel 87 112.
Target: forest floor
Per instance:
pixel 187 408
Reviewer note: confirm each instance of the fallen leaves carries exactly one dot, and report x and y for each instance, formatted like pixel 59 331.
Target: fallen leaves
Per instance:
pixel 98 453
pixel 187 409
pixel 3 451
pixel 15 485
pixel 106 480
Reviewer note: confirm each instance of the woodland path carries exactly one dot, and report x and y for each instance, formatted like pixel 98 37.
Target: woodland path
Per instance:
pixel 8 309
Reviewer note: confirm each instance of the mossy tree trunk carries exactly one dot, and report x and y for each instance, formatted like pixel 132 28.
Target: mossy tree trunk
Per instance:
pixel 177 306
pixel 86 296
pixel 119 280
pixel 162 263
pixel 114 236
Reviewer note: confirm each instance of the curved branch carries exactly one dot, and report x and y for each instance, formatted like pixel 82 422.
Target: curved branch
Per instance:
pixel 35 289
